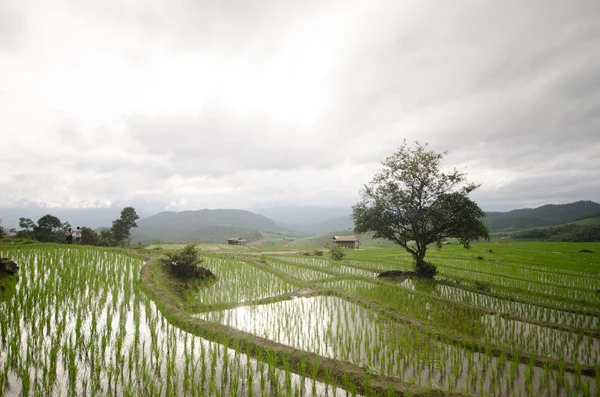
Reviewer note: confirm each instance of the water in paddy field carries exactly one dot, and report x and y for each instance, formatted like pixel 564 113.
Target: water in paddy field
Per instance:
pixel 341 330
pixel 79 324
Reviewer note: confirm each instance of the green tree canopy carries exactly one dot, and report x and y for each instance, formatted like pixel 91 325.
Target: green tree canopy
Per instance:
pixel 413 203
pixel 89 236
pixel 48 229
pixel 26 224
pixel 121 227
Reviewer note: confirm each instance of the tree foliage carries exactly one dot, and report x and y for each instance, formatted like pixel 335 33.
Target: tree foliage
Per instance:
pixel 121 228
pixel 184 263
pixel 89 236
pixel 48 229
pixel 336 251
pixel 413 203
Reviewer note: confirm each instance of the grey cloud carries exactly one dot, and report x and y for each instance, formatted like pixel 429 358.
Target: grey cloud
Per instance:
pixel 506 87
pixel 218 145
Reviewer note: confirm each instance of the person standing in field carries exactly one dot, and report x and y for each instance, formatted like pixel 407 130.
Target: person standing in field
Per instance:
pixel 77 235
pixel 69 236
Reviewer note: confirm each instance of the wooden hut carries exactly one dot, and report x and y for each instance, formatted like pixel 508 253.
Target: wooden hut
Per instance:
pixel 236 241
pixel 346 241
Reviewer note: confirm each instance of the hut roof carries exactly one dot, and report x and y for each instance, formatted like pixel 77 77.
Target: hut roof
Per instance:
pixel 345 238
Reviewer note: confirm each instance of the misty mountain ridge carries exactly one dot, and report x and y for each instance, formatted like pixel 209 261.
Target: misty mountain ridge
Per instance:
pixel 210 226
pixel 519 219
pixel 219 224
pixel 546 215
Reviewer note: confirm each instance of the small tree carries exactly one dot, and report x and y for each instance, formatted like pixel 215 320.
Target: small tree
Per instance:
pixel 89 236
pixel 2 231
pixel 411 200
pixel 27 226
pixel 121 228
pixel 48 229
pixel 106 238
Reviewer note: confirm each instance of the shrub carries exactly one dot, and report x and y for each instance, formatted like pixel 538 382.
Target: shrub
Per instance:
pixel 184 263
pixel 318 252
pixel 336 251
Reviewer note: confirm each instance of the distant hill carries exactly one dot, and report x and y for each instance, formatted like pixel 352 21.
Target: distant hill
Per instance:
pixel 207 226
pixel 343 223
pixel 526 218
pixel 546 215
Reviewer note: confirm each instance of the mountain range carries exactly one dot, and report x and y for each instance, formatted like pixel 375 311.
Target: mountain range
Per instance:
pixel 215 226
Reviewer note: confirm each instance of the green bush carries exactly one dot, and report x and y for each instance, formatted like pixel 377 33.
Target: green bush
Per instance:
pixel 318 252
pixel 336 251
pixel 184 263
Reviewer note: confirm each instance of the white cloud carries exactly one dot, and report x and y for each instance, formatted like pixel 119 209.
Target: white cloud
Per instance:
pixel 234 104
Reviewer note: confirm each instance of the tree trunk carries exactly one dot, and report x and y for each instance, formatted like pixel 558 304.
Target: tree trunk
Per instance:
pixel 422 268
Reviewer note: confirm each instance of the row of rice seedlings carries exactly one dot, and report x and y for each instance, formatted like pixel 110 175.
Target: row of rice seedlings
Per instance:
pixel 519 309
pixel 238 281
pixel 569 294
pixel 335 328
pixel 573 347
pixel 379 267
pixel 556 278
pixel 542 299
pixel 542 341
pixel 326 265
pixel 453 318
pixel 79 324
pixel 299 273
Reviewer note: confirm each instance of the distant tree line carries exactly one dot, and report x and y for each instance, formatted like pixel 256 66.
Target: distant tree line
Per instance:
pixel 566 233
pixel 50 229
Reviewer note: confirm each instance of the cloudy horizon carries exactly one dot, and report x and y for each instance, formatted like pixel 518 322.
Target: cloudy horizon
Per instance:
pixel 198 104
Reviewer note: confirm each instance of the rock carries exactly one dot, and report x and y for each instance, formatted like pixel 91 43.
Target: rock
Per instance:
pixel 7 266
pixel 205 273
pixel 395 273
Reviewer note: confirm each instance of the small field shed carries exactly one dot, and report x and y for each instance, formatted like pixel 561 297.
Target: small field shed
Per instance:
pixel 236 241
pixel 346 241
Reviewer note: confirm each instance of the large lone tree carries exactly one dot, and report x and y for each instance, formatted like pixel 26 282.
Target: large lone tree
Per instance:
pixel 413 203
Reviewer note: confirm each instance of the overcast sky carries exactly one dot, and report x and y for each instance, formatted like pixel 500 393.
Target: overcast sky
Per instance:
pixel 195 104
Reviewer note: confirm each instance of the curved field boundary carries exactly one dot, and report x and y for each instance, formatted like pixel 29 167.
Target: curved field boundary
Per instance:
pixel 467 343
pixel 584 331
pixel 526 292
pixel 344 374
pixel 594 333
pixel 516 278
pixel 471 344
pixel 513 299
pixel 534 267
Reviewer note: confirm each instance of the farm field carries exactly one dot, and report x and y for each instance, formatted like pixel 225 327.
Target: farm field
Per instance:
pixel 501 319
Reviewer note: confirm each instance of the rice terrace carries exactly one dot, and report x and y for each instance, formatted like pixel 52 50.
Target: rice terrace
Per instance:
pixel 500 319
